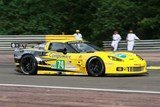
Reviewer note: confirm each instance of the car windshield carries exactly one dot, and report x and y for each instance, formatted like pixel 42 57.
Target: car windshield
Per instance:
pixel 84 47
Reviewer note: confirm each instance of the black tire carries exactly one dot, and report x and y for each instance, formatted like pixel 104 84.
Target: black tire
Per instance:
pixel 95 66
pixel 28 65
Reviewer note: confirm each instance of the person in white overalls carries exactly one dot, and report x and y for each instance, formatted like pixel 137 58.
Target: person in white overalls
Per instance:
pixel 116 39
pixel 131 37
pixel 78 35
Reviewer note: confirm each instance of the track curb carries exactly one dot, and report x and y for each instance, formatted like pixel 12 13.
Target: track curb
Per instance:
pixel 153 68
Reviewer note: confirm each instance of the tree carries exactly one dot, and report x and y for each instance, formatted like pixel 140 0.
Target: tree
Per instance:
pixel 120 15
pixel 30 17
pixel 97 19
pixel 150 21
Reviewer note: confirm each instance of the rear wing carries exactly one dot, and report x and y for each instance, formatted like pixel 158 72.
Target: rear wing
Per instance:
pixel 59 37
pixel 30 42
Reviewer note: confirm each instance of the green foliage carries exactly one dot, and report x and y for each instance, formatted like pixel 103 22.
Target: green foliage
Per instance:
pixel 120 15
pixel 31 17
pixel 97 19
pixel 150 21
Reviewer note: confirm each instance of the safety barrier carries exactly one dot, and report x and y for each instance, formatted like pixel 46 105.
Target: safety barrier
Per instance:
pixel 30 40
pixel 6 40
pixel 140 45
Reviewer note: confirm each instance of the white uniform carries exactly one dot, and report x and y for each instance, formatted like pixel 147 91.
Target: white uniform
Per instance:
pixel 116 39
pixel 78 36
pixel 131 37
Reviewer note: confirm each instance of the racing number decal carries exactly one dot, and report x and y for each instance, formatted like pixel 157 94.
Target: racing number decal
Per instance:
pixel 60 64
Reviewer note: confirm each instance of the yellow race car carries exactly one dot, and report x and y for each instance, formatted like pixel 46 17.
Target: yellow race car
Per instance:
pixel 66 56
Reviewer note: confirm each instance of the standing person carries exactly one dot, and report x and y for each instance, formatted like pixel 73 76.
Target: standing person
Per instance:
pixel 78 35
pixel 131 37
pixel 116 38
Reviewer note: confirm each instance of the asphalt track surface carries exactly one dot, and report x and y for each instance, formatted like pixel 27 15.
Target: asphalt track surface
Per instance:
pixel 18 90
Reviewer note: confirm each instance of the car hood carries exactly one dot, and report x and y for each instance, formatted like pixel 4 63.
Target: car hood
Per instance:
pixel 125 56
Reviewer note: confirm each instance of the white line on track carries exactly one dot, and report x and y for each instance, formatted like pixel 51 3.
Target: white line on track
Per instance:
pixel 153 67
pixel 85 89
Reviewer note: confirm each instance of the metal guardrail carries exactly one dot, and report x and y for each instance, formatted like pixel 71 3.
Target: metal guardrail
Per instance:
pixel 141 45
pixel 6 40
pixel 29 40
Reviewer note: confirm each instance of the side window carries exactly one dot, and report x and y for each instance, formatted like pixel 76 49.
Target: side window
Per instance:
pixel 70 49
pixel 56 46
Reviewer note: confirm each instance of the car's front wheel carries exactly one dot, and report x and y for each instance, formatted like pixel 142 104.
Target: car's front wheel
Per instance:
pixel 28 65
pixel 95 66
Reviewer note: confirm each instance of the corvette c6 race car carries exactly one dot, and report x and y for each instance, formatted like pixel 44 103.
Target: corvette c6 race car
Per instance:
pixel 68 56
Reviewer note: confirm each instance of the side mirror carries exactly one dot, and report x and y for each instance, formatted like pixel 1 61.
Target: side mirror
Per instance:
pixel 64 51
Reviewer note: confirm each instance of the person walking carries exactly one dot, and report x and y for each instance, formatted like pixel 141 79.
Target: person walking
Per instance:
pixel 78 35
pixel 116 39
pixel 131 37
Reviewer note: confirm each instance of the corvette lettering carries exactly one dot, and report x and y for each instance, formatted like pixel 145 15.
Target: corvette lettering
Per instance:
pixel 58 56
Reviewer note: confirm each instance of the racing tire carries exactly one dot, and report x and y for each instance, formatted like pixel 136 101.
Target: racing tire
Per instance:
pixel 28 65
pixel 95 67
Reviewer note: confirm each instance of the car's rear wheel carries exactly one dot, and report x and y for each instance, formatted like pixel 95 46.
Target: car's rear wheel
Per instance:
pixel 95 66
pixel 28 65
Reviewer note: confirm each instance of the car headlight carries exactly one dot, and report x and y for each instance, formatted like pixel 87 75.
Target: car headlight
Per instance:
pixel 113 58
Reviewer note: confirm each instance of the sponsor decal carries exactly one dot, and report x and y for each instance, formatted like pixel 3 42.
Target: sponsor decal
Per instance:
pixel 69 66
pixel 121 55
pixel 59 56
pixel 130 69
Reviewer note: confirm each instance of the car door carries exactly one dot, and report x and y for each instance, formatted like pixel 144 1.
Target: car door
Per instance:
pixel 57 59
pixel 61 61
pixel 69 61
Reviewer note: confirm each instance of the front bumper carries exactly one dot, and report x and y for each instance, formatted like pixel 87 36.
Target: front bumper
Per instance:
pixel 126 68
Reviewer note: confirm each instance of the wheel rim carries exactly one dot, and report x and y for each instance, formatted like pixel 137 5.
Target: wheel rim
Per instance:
pixel 27 64
pixel 96 66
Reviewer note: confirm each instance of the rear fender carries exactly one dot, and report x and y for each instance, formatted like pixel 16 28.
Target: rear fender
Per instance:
pixel 24 55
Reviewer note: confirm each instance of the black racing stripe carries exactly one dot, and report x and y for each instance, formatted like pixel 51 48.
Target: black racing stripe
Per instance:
pixel 50 69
